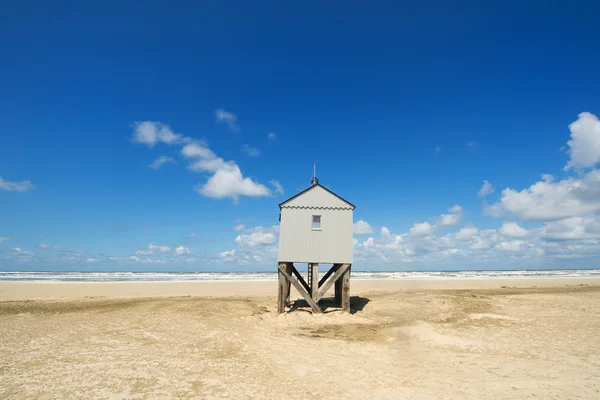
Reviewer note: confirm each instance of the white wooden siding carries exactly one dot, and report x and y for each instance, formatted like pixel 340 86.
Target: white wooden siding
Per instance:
pixel 298 242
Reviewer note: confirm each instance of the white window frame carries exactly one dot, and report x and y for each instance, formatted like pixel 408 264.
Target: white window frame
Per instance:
pixel 312 222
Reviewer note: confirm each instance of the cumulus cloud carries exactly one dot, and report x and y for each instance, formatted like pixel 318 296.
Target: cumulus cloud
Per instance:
pixel 422 229
pixel 160 161
pixel 466 233
pixel 272 136
pixel 362 228
pixel 512 230
pixel 456 209
pixel 250 150
pixel 22 186
pixel 549 200
pixel 228 118
pixel 513 246
pixel 257 236
pixel 151 132
pixel 486 189
pixel 227 180
pixel 151 249
pixel 181 251
pixel 576 228
pixel 584 145
pixel 449 219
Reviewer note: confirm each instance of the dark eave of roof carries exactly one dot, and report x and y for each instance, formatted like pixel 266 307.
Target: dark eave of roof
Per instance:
pixel 309 188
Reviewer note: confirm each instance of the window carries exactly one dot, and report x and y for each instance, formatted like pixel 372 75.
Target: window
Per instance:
pixel 316 222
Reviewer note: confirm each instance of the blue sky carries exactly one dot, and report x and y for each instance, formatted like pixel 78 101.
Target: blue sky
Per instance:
pixel 406 108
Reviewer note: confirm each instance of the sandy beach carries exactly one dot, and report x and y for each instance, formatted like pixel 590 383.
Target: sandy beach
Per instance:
pixel 431 339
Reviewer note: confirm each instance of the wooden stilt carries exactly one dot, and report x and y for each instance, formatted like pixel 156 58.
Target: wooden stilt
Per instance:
pixel 313 304
pixel 338 288
pixel 282 285
pixel 314 279
pixel 342 270
pixel 313 290
pixel 288 269
pixel 346 289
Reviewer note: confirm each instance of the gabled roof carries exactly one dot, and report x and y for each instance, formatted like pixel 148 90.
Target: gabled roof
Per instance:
pixel 312 187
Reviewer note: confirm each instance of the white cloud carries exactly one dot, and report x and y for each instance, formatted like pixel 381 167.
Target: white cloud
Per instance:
pixel 472 145
pixel 3 238
pixel 144 252
pixel 92 260
pixel 229 182
pixel 228 118
pixel 150 133
pixel 239 227
pixel 437 149
pixel 277 186
pixel 151 249
pixel 18 254
pixel 272 136
pixel 160 161
pixel 227 179
pixel 549 200
pixel 456 209
pixel 251 151
pixel 159 249
pixel 576 228
pixel 181 251
pixel 47 246
pixel 513 246
pixel 144 260
pixel 584 145
pixel 192 235
pixel 257 237
pixel 362 228
pixel 449 219
pixel 23 252
pixel 486 189
pixel 22 186
pixel 453 218
pixel 422 229
pixel 512 230
pixel 466 233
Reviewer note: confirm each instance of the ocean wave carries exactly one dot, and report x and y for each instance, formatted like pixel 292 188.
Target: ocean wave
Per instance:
pixel 272 276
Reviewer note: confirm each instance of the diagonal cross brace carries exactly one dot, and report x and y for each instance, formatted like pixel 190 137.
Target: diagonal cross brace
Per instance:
pixel 313 304
pixel 326 285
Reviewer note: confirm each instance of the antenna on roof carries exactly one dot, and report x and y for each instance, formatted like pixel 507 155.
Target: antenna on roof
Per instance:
pixel 314 181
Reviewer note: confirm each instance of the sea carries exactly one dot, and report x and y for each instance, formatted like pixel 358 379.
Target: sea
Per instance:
pixel 10 276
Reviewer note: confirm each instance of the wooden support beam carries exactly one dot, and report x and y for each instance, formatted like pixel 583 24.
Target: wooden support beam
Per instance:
pixel 288 269
pixel 313 304
pixel 328 274
pixel 313 270
pixel 341 270
pixel 300 278
pixel 282 285
pixel 346 289
pixel 338 290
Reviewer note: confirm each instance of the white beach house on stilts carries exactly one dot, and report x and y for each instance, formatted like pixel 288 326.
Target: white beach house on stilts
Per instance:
pixel 315 228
